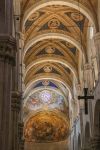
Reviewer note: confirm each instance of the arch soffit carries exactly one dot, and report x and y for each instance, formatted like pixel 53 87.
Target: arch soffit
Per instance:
pixel 53 36
pixel 54 60
pixel 80 7
pixel 48 88
pixel 54 76
pixel 47 77
pixel 35 68
pixel 28 80
pixel 61 88
pixel 54 44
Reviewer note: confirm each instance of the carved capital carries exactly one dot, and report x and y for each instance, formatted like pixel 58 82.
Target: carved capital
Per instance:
pixel 16 101
pixel 7 49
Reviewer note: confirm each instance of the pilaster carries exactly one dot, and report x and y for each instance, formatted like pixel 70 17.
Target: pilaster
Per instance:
pixel 6 17
pixel 16 104
pixel 21 138
pixel 7 61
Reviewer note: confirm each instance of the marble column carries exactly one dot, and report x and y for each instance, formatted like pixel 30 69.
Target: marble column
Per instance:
pixel 21 138
pixel 7 61
pixel 16 102
pixel 95 143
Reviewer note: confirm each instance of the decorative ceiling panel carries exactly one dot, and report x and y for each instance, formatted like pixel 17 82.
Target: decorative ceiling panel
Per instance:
pixel 46 127
pixel 26 4
pixel 47 99
pixel 46 83
pixel 52 47
pixel 48 68
pixel 58 19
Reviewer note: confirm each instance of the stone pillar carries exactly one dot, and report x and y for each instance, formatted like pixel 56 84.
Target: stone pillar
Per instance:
pixel 6 17
pixel 95 143
pixel 16 102
pixel 7 61
pixel 21 138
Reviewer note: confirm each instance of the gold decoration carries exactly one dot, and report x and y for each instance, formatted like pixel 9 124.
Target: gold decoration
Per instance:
pixel 69 45
pixel 77 16
pixel 45 83
pixel 50 50
pixel 34 16
pixel 47 69
pixel 53 23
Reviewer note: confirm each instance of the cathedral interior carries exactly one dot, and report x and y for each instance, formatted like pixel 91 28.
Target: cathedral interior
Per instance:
pixel 49 74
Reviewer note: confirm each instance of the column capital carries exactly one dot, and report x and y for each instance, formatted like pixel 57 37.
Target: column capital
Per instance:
pixel 7 48
pixel 16 101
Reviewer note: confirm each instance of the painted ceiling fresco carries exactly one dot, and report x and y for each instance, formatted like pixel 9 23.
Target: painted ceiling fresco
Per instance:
pixel 91 4
pixel 57 19
pixel 47 99
pixel 46 127
pixel 50 119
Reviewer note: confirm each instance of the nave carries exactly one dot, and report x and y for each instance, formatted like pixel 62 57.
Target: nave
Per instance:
pixel 50 75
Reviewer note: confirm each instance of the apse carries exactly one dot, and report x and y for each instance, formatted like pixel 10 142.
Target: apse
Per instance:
pixel 46 114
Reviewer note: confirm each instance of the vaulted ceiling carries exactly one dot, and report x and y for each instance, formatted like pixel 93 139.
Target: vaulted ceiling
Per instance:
pixel 55 36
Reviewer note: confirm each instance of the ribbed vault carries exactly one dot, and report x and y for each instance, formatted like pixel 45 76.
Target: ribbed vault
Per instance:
pixel 55 37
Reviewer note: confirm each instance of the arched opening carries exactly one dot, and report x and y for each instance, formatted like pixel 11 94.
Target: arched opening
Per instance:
pixel 87 134
pixel 97 119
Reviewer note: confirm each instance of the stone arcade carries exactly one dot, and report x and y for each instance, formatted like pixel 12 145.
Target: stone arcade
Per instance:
pixel 49 53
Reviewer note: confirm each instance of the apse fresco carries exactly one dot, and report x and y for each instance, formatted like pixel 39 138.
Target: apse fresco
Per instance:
pixel 47 100
pixel 46 127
